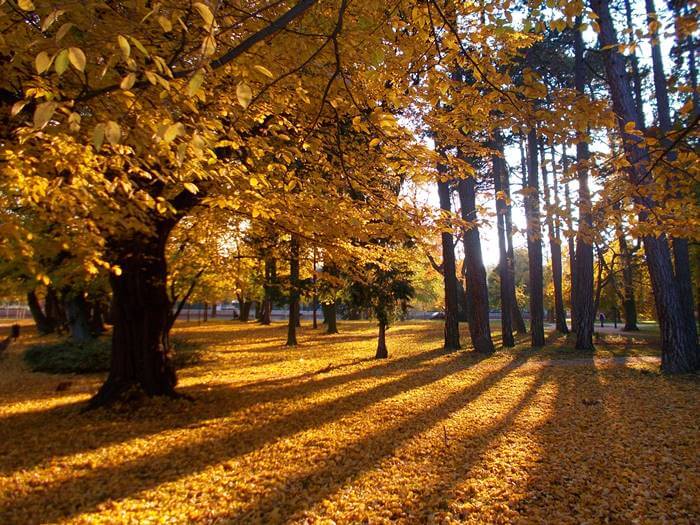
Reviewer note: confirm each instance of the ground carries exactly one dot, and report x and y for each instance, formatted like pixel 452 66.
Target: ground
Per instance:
pixel 323 433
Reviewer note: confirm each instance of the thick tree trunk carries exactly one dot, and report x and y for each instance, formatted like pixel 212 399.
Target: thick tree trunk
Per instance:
pixel 474 270
pixel 382 352
pixel 293 292
pixel 679 346
pixel 583 293
pixel 449 268
pixel 552 220
pixel 534 244
pixel 141 354
pixel 330 317
pixel 245 311
pixel 498 166
pixel 43 324
pixel 78 317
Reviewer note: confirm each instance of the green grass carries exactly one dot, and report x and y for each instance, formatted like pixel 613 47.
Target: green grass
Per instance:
pixel 65 357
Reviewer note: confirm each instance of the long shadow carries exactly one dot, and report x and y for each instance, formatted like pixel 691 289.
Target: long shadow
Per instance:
pixel 354 460
pixel 90 431
pixel 85 492
pixel 607 450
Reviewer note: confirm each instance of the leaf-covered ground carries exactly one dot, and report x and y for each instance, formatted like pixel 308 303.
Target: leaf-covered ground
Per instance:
pixel 323 433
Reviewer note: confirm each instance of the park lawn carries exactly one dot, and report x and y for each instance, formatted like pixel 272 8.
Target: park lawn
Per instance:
pixel 323 432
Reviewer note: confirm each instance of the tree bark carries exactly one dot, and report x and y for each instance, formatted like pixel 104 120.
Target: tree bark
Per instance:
pixel 552 220
pixel 571 243
pixel 42 322
pixel 293 291
pixel 629 303
pixel 270 278
pixel 382 352
pixel 518 321
pixel 449 267
pixel 78 317
pixel 498 166
pixel 534 244
pixel 583 293
pixel 474 270
pixel 245 311
pixel 141 353
pixel 679 346
pixel 636 77
pixel 330 317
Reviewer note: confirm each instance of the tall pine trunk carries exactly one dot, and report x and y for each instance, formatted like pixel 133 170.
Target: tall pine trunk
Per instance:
pixel 518 321
pixel 534 244
pixel 570 241
pixel 293 291
pixel 552 219
pixel 449 272
pixel 474 270
pixel 679 346
pixel 141 354
pixel 498 166
pixel 636 77
pixel 583 292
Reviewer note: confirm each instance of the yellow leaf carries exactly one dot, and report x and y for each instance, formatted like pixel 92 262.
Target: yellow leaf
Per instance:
pixel 42 62
pixel 192 188
pixel 63 31
pixel 264 71
pixel 113 132
pixel 43 114
pixel 18 106
pixel 208 45
pixel 204 12
pixel 165 23
pixel 128 81
pixel 195 83
pixel 26 5
pixel 98 136
pixel 124 46
pixel 77 58
pixel 244 94
pixel 173 131
pixel 61 62
pixel 374 142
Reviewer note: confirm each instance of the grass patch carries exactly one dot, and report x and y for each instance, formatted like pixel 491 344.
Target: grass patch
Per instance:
pixel 67 357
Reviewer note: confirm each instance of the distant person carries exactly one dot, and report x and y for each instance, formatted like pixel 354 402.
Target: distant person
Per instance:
pixel 602 319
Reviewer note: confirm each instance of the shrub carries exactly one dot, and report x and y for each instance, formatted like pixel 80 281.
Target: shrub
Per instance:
pixel 66 357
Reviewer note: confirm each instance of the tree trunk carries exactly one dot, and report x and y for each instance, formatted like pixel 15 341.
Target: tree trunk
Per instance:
pixel 205 311
pixel 570 242
pixel 330 317
pixel 636 77
pixel 141 354
pixel 534 244
pixel 474 270
pixel 552 220
pixel 629 304
pixel 78 317
pixel 213 310
pixel 43 324
pixel 583 293
pixel 382 352
pixel 97 325
pixel 679 346
pixel 518 321
pixel 681 255
pixel 258 310
pixel 270 278
pixel 293 291
pixel 503 264
pixel 245 311
pixel 449 268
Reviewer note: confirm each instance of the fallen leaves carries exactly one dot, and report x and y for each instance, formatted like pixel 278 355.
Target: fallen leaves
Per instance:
pixel 322 433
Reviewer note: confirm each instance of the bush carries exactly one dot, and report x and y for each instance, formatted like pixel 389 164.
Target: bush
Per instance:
pixel 66 357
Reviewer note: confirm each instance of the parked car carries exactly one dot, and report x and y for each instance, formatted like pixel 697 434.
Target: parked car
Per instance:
pixel 437 315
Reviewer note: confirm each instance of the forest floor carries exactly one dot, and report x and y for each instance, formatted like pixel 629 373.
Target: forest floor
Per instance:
pixel 324 433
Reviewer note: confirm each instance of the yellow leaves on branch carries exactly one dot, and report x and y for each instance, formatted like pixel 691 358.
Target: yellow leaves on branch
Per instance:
pixel 244 94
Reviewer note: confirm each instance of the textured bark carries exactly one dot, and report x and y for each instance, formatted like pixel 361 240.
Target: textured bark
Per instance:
pixel 141 355
pixel 330 317
pixel 571 243
pixel 43 324
pixel 679 346
pixel 636 77
pixel 97 325
pixel 449 269
pixel 552 220
pixel 293 292
pixel 503 264
pixel 78 317
pixel 583 292
pixel 245 311
pixel 382 352
pixel 534 244
pixel 518 321
pixel 474 271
